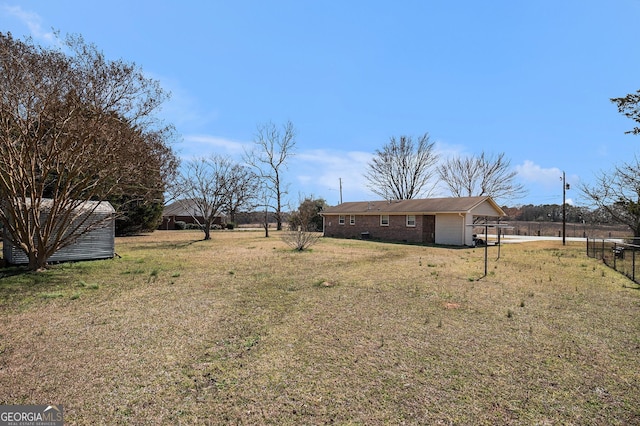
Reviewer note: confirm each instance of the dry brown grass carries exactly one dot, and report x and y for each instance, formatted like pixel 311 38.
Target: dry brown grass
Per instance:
pixel 242 330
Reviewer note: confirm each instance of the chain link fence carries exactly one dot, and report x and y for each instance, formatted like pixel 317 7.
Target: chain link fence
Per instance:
pixel 623 257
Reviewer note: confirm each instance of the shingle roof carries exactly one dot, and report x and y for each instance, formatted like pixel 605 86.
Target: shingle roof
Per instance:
pixel 182 208
pixel 421 206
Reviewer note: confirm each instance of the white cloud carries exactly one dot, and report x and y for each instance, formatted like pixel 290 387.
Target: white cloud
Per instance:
pixel 531 172
pixel 545 184
pixel 321 173
pixel 204 145
pixel 33 21
pixel 446 151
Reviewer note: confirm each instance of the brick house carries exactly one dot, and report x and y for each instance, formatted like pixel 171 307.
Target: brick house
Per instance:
pixel 432 220
pixel 184 211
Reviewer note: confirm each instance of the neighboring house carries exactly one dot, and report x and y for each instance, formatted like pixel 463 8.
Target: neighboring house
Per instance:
pixel 433 220
pixel 184 211
pixel 97 243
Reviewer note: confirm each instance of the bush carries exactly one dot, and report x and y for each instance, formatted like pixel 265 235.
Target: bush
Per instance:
pixel 300 240
pixel 136 216
pixel 180 225
pixel 230 225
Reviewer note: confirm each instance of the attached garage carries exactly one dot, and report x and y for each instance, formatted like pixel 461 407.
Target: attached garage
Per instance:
pixel 432 220
pixel 449 229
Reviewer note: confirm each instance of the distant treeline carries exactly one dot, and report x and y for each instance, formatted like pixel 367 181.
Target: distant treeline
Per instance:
pixel 553 213
pixel 255 218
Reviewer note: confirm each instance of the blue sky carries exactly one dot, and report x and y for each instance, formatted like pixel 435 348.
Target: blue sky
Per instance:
pixel 530 79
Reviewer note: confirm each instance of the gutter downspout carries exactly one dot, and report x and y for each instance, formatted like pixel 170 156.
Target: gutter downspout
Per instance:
pixel 464 228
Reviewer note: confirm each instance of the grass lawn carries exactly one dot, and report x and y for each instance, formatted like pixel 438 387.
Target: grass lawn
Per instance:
pixel 242 330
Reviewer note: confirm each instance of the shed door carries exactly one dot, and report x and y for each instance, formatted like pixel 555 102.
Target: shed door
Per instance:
pixel 429 229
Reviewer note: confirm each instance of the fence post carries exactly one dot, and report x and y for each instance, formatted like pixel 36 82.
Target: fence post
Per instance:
pixel 633 265
pixel 603 249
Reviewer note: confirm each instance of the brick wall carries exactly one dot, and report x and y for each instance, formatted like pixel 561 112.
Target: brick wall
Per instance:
pixel 396 231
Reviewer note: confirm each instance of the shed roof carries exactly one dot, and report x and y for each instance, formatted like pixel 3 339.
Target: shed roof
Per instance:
pixel 79 205
pixel 417 206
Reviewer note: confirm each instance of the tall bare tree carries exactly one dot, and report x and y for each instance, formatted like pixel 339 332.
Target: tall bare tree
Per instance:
pixel 478 176
pixel 203 188
pixel 618 193
pixel 73 127
pixel 242 190
pixel 273 146
pixel 403 169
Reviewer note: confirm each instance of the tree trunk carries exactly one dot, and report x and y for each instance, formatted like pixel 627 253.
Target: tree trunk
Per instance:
pixel 37 261
pixel 279 211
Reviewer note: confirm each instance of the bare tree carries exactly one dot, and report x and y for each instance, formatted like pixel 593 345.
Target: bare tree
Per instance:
pixel 403 169
pixel 618 193
pixel 479 176
pixel 203 189
pixel 242 190
pixel 73 128
pixel 273 147
pixel 265 195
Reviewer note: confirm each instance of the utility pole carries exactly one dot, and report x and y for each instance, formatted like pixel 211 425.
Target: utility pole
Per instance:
pixel 340 190
pixel 565 186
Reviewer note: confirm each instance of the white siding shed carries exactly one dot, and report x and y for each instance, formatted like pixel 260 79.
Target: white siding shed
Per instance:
pixel 97 243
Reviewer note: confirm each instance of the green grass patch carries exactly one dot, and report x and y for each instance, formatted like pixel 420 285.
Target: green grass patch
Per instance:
pixel 54 295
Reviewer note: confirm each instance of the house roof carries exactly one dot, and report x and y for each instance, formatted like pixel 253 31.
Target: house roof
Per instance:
pixel 184 207
pixel 417 206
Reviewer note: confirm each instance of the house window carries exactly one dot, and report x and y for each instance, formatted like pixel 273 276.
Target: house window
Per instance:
pixel 341 219
pixel 411 220
pixel 352 220
pixel 384 220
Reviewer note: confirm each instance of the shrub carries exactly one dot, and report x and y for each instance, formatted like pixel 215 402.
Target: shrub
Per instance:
pixel 180 225
pixel 300 240
pixel 230 225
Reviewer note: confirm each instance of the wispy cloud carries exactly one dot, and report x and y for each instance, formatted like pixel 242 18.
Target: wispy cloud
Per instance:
pixel 446 150
pixel 204 145
pixel 183 109
pixel 32 20
pixel 321 172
